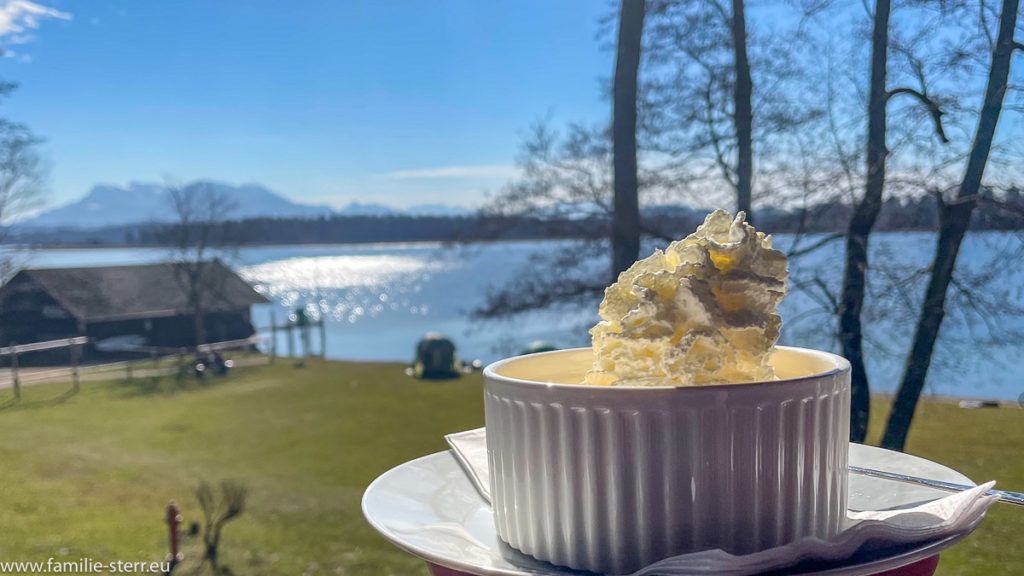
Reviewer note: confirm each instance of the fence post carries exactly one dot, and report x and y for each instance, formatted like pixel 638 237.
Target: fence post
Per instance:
pixel 291 340
pixel 75 382
pixel 14 374
pixel 323 336
pixel 273 336
pixel 173 519
pixel 304 334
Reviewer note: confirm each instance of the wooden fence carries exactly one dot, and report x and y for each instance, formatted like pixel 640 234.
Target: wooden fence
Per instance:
pixel 15 350
pixel 304 330
pixel 156 360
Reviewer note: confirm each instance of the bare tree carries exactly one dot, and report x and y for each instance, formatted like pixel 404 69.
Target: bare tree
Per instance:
pixel 197 243
pixel 567 185
pixel 566 178
pixel 590 174
pixel 676 83
pixel 22 174
pixel 865 213
pixel 812 151
pixel 699 104
pixel 218 511
pixel 626 215
pixel 954 219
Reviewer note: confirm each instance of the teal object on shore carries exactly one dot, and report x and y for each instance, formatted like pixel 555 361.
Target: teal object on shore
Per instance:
pixel 435 358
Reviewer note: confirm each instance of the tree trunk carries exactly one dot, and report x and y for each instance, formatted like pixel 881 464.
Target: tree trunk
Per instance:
pixel 743 118
pixel 199 324
pixel 626 216
pixel 211 555
pixel 954 219
pixel 863 220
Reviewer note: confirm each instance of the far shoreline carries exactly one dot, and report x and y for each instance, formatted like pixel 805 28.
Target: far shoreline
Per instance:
pixel 287 244
pixel 28 247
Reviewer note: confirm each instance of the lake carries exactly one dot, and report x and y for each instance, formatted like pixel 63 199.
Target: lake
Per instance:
pixel 379 299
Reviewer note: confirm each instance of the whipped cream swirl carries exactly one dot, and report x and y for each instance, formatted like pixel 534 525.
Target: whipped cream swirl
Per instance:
pixel 702 312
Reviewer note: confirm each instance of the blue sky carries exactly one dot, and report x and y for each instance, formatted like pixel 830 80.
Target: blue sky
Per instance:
pixel 330 101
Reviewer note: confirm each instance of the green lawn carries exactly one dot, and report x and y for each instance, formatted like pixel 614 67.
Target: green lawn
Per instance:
pixel 90 476
pixel 985 444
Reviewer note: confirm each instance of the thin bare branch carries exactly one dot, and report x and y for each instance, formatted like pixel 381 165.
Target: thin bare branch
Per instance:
pixel 928 103
pixel 821 242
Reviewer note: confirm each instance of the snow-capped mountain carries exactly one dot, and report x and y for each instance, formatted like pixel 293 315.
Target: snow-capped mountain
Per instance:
pixel 107 205
pixel 367 209
pixel 376 209
pixel 438 210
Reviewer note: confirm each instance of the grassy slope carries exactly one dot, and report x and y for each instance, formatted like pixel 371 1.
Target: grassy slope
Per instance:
pixel 984 444
pixel 89 477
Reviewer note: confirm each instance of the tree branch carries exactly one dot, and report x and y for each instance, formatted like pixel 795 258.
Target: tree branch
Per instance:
pixel 928 103
pixel 1006 207
pixel 793 253
pixel 526 295
pixel 655 233
pixel 716 141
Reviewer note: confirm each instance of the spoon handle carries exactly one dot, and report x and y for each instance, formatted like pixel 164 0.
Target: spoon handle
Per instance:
pixel 1003 495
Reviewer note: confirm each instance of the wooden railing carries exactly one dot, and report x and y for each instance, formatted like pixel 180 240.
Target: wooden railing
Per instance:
pixel 154 361
pixel 12 351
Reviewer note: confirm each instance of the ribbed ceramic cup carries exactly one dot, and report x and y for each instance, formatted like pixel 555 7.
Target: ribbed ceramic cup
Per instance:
pixel 611 479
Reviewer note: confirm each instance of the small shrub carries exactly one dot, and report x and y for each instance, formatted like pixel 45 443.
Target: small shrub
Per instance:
pixel 218 510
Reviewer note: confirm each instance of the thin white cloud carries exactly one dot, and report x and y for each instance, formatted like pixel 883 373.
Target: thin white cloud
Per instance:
pixel 484 171
pixel 16 16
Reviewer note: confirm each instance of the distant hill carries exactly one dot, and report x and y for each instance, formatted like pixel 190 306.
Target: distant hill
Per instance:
pixel 107 205
pixel 375 209
pixel 367 209
pixel 438 210
pixel 381 223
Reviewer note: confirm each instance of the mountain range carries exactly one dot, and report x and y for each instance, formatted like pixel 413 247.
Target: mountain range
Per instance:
pixel 107 205
pixel 375 209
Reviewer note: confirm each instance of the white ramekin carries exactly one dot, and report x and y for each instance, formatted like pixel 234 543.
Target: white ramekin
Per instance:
pixel 610 479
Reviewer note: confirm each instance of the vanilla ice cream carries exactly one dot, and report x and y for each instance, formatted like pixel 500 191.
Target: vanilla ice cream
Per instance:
pixel 704 311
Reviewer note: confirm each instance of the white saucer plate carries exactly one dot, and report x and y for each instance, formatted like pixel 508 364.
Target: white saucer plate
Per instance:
pixel 429 508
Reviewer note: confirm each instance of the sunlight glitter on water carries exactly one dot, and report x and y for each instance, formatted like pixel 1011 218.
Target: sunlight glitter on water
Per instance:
pixel 380 299
pixel 346 288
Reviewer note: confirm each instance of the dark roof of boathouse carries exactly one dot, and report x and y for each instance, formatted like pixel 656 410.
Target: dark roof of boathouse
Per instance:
pixel 107 293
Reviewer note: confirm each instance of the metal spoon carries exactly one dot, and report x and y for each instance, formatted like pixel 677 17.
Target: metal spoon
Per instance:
pixel 1004 496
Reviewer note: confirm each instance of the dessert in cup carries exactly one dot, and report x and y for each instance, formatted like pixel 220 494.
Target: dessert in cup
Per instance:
pixel 683 428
